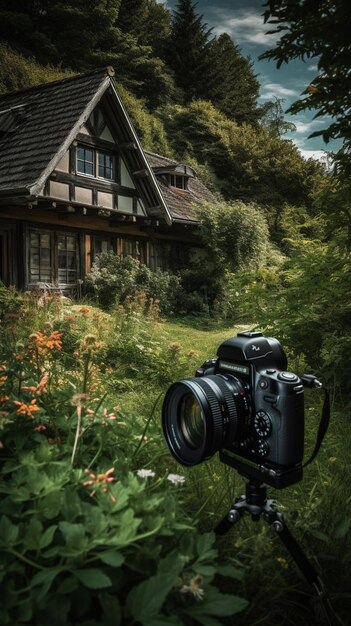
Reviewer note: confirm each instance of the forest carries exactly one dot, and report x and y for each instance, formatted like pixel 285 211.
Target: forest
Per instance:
pixel 98 524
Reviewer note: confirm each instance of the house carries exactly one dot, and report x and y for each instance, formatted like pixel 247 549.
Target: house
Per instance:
pixel 75 181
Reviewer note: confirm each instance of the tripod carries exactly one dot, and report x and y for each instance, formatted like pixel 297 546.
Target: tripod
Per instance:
pixel 256 504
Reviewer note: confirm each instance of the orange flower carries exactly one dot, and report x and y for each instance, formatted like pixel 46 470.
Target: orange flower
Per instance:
pixel 40 388
pixel 4 399
pixel 40 429
pixel 98 480
pixel 26 409
pixel 44 343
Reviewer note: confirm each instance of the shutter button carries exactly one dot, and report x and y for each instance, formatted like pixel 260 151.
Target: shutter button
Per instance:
pixel 288 377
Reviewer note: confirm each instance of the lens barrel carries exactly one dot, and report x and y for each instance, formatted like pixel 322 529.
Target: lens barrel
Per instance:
pixel 203 415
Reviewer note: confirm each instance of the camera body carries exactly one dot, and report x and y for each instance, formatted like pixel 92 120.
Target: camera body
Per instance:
pixel 244 405
pixel 274 426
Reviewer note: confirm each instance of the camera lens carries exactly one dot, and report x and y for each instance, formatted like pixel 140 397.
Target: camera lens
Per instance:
pixel 203 415
pixel 191 420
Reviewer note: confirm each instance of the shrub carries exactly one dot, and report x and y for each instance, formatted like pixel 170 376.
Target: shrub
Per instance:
pixel 113 278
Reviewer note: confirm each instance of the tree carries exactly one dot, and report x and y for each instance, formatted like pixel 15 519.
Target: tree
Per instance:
pixel 234 89
pixel 188 51
pixel 320 30
pixel 249 164
pixel 272 118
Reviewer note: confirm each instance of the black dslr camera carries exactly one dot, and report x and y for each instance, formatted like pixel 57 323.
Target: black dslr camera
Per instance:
pixel 244 404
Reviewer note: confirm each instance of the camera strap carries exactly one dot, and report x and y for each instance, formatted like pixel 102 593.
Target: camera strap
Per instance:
pixel 324 422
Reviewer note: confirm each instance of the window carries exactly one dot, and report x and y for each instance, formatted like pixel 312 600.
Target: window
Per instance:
pixel 92 162
pixel 180 182
pixel 67 259
pixel 85 161
pixel 40 258
pixel 53 257
pixel 105 165
pixel 134 248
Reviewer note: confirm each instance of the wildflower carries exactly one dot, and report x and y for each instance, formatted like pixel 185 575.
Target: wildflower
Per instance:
pixel 26 409
pixel 332 459
pixel 40 387
pixel 145 473
pixel 98 480
pixel 175 347
pixel 176 479
pixel 40 428
pixel 194 588
pixel 282 562
pixel 4 399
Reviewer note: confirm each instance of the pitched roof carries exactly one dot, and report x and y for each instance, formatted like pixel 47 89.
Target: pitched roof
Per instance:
pixel 48 114
pixel 38 124
pixel 181 202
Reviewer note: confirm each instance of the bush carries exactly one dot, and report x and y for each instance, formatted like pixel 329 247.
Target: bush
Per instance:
pixel 113 278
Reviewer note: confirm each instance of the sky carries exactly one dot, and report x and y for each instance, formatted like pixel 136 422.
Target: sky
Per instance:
pixel 243 21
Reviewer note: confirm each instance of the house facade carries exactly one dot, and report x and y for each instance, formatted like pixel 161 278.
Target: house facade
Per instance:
pixel 75 181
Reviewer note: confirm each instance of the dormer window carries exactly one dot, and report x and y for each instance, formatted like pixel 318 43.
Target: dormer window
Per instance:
pixel 180 182
pixel 93 162
pixel 175 175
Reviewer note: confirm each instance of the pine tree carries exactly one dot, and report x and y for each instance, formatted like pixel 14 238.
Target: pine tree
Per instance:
pixel 188 53
pixel 234 88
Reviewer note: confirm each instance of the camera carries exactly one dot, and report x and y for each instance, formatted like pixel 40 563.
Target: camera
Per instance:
pixel 245 405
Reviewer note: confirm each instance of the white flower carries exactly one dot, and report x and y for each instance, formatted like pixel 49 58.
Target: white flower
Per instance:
pixel 194 588
pixel 145 473
pixel 176 479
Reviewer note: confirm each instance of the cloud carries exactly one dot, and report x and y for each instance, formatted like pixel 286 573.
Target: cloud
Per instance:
pixel 276 90
pixel 312 68
pixel 244 26
pixel 305 128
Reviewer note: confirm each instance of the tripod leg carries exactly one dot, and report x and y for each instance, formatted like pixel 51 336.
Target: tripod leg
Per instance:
pixel 277 522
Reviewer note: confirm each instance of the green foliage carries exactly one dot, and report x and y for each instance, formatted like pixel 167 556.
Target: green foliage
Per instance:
pixel 86 535
pixel 188 51
pixel 306 303
pixel 317 30
pixel 150 128
pixel 19 72
pixel 113 278
pixel 249 164
pixel 234 88
pixel 236 233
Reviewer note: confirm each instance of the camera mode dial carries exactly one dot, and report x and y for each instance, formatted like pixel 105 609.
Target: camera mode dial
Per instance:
pixel 262 424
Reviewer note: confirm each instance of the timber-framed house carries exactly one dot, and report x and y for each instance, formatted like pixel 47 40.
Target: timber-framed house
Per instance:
pixel 75 181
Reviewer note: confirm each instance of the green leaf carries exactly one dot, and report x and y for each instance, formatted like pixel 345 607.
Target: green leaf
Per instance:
pixel 319 535
pixel 74 535
pixel 45 578
pixel 34 534
pixel 111 610
pixel 8 532
pixel 343 528
pixel 217 604
pixel 173 563
pixel 230 571
pixel 204 543
pixel 47 536
pixel 93 578
pixel 110 557
pixel 146 599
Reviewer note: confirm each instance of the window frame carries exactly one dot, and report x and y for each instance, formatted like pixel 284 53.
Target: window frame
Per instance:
pixel 96 154
pixel 54 269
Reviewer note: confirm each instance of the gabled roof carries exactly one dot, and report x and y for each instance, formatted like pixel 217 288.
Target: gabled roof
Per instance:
pixel 181 202
pixel 38 124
